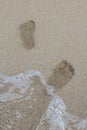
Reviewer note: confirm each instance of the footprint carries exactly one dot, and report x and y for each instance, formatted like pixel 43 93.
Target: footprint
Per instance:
pixel 27 32
pixel 62 74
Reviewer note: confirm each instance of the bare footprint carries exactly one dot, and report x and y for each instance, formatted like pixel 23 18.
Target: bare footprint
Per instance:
pixel 26 32
pixel 62 74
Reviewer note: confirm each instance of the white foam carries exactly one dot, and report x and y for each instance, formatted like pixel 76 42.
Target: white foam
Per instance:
pixel 1 85
pixel 59 119
pixel 18 115
pixel 21 81
pixel 56 114
pixel 9 125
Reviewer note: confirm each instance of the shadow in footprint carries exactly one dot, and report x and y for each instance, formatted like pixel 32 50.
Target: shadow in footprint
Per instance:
pixel 27 34
pixel 61 75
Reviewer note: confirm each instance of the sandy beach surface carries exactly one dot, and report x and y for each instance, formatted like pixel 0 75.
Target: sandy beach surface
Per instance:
pixel 60 34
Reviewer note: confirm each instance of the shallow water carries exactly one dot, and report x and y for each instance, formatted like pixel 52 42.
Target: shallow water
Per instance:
pixel 56 115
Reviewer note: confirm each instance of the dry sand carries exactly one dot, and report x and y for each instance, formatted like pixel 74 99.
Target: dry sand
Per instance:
pixel 61 33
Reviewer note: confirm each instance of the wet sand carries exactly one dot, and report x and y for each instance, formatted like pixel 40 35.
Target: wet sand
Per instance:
pixel 25 112
pixel 60 34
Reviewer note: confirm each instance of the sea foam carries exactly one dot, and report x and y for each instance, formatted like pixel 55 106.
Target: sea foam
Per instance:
pixel 13 88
